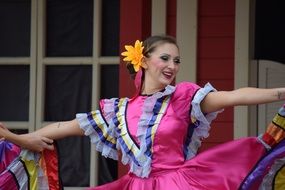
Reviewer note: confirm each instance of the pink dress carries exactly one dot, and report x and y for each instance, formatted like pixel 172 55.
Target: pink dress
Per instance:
pixel 159 136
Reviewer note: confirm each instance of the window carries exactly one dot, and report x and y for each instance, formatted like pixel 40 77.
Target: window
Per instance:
pixel 61 56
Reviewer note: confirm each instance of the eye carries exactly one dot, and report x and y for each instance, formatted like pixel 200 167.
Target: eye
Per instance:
pixel 164 58
pixel 177 61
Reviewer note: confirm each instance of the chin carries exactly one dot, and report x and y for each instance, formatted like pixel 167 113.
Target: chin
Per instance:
pixel 167 82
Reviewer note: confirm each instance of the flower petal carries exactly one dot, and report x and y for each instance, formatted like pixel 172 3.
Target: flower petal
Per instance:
pixel 134 54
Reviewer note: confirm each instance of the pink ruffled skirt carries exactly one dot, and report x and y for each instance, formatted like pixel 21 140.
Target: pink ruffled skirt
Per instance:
pixel 224 167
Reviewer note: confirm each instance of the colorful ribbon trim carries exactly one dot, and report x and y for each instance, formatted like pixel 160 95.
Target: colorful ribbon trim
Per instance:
pixel 158 110
pixel 275 131
pixel 128 146
pixel 32 171
pixel 279 120
pixel 126 142
pixel 99 125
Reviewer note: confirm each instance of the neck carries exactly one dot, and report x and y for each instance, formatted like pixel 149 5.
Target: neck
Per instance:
pixel 147 90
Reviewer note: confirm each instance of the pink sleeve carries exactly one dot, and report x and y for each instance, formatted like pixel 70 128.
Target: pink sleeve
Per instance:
pixel 186 89
pixel 107 108
pixel 101 106
pixel 182 98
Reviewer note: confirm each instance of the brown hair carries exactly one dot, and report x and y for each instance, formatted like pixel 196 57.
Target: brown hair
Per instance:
pixel 150 44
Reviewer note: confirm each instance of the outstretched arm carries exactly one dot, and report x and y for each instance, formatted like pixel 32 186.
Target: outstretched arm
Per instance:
pixel 43 138
pixel 215 101
pixel 60 130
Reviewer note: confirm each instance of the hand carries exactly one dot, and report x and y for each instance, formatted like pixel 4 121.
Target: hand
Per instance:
pixel 35 142
pixel 3 130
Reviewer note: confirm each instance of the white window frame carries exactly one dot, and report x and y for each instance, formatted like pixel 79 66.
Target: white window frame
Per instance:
pixel 31 62
pixel 38 61
pixel 270 75
pixel 95 60
pixel 186 35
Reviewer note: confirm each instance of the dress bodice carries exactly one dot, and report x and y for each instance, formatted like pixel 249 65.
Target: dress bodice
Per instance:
pixel 170 135
pixel 146 129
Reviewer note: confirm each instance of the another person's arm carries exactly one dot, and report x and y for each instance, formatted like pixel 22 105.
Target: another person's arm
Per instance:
pixel 218 100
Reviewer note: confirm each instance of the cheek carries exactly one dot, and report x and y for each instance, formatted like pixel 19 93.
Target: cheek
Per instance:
pixel 158 65
pixel 177 68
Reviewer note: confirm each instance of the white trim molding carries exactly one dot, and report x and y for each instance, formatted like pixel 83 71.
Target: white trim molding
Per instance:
pixel 158 18
pixel 241 61
pixel 186 35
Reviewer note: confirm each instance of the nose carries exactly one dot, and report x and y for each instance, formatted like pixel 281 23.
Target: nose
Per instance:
pixel 172 64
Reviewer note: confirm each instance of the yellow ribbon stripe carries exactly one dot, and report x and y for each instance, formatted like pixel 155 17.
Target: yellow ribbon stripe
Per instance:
pixel 102 126
pixel 122 126
pixel 33 174
pixel 279 180
pixel 279 120
pixel 158 118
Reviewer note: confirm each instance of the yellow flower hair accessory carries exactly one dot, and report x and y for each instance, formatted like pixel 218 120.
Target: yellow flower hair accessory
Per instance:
pixel 134 55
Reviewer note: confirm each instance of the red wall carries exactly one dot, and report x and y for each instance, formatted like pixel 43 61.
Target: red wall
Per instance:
pixel 216 22
pixel 171 17
pixel 135 24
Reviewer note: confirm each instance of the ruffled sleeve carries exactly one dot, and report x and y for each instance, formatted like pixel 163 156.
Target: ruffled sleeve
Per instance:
pixel 200 122
pixel 99 126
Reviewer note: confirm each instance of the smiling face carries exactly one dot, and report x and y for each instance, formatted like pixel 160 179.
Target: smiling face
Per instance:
pixel 160 67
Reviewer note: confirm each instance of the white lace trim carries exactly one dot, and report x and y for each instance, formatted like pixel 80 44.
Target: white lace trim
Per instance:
pixel 204 121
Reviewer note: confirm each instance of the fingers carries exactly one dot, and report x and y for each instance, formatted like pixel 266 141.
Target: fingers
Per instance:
pixel 42 147
pixel 36 142
pixel 48 143
pixel 49 147
pixel 2 126
pixel 47 140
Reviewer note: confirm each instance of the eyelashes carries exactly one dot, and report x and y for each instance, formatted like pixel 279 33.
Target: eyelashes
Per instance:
pixel 177 61
pixel 167 58
pixel 164 58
